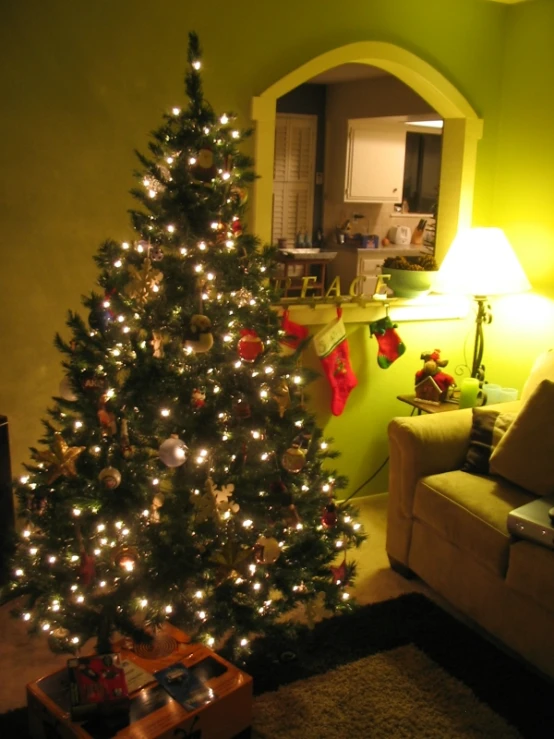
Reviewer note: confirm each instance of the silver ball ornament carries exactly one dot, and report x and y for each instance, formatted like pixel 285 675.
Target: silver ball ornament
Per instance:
pixel 173 452
pixel 66 390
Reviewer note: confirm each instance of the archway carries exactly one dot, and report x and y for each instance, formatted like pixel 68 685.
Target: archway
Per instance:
pixel 462 130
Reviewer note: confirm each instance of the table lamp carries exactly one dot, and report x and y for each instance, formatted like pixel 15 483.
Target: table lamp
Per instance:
pixel 482 263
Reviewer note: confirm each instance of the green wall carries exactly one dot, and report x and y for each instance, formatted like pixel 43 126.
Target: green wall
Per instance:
pixel 83 84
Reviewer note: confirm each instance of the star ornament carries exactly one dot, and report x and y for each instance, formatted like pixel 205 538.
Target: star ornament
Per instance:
pixel 60 459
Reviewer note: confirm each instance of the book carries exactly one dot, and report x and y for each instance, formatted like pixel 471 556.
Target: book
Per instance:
pixel 185 686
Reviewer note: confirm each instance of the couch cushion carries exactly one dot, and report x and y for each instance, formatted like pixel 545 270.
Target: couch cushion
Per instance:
pixel 531 572
pixel 488 426
pixel 471 512
pixel 525 454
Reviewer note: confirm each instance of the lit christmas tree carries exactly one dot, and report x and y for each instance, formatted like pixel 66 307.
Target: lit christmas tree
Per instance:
pixel 180 475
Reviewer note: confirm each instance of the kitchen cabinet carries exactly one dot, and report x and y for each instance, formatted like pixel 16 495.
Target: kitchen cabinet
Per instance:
pixel 375 161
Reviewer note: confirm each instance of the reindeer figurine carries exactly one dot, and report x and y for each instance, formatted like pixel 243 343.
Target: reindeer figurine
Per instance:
pixel 431 383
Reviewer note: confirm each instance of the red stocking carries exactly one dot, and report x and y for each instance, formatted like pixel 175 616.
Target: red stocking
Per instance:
pixel 391 345
pixel 332 349
pixel 295 334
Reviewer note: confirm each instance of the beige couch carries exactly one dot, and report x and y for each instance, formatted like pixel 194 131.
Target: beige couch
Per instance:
pixel 449 527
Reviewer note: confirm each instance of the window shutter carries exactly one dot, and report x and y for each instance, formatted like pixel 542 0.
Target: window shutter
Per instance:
pixel 293 176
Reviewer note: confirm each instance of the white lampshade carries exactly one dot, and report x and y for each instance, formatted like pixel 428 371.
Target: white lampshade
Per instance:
pixel 481 262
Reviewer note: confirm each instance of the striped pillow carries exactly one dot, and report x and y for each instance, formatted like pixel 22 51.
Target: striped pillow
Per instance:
pixel 487 428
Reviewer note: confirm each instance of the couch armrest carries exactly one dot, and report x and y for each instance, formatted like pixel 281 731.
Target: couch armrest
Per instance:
pixel 420 446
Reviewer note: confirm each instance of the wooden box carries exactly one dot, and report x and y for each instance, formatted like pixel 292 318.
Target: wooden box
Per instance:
pixel 153 713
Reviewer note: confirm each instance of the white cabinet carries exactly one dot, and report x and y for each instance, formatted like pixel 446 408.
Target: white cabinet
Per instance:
pixel 293 176
pixel 375 161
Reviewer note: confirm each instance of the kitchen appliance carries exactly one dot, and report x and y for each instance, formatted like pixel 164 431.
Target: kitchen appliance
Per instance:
pixel 400 234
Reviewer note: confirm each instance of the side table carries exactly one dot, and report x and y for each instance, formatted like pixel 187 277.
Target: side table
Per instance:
pixel 153 713
pixel 424 406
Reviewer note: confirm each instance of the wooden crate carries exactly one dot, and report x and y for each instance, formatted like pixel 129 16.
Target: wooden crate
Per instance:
pixel 153 714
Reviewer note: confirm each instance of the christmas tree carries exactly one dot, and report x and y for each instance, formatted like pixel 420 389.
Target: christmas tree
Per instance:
pixel 180 475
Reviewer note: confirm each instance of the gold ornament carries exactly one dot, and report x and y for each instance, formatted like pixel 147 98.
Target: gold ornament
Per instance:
pixel 205 503
pixel 110 477
pixel 294 459
pixel 230 559
pixel 267 550
pixel 60 459
pixel 125 557
pixel 281 395
pixel 143 281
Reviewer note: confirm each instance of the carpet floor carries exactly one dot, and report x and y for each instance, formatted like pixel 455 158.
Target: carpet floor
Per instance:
pixel 400 668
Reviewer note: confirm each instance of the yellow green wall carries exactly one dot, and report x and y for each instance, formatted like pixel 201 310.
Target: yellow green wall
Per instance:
pixel 83 83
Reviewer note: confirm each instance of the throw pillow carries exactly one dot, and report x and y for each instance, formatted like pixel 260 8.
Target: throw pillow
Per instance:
pixel 487 429
pixel 525 454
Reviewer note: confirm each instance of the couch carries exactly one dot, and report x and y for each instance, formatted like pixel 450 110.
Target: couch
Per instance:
pixel 448 526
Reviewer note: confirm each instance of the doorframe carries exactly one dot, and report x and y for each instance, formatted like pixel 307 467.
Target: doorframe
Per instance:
pixel 461 133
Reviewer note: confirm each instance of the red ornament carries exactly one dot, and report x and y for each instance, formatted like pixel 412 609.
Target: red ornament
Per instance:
pixel 198 398
pixel 340 573
pixel 329 518
pixel 236 227
pixel 87 568
pixel 250 345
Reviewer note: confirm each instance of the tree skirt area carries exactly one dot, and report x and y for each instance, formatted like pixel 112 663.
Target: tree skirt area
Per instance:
pixel 396 669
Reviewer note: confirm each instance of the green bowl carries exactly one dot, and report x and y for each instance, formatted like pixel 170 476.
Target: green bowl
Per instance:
pixel 407 284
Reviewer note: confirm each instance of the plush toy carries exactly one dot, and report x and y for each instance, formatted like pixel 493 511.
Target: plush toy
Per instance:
pixel 430 381
pixel 200 328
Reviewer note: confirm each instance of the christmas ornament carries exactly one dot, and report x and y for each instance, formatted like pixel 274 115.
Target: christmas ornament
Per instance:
pixel 340 573
pixel 110 478
pixel 66 390
pixel 107 420
pixel 93 383
pixel 241 407
pixel 201 339
pixel 124 443
pixel 100 317
pixel 156 254
pixel 143 282
pixel 243 297
pixel 198 398
pixel 331 347
pixel 236 227
pixel 294 459
pixel 57 639
pixel 390 345
pixel 173 451
pixel 230 559
pixel 159 338
pixel 125 557
pixel 204 503
pixel 267 550
pixel 59 459
pixel 222 499
pixel 87 568
pixel 250 345
pixel 281 395
pixel 330 516
pixel 294 334
pixel 157 503
pixel 204 169
pixel 239 194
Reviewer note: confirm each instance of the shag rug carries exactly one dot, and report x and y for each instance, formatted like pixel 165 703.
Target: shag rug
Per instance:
pixel 396 669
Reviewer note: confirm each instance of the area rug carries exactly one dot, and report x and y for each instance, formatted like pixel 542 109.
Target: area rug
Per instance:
pixel 401 668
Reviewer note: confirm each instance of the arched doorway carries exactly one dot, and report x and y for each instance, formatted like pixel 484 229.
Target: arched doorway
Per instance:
pixel 462 130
